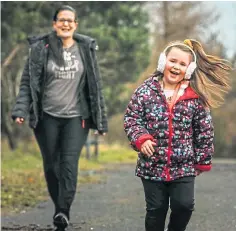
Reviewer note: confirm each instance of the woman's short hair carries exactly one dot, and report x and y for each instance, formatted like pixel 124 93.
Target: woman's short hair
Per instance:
pixel 64 7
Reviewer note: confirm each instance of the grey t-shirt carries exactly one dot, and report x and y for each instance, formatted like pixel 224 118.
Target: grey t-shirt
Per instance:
pixel 61 94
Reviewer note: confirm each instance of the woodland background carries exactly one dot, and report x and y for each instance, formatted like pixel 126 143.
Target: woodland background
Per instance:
pixel 130 36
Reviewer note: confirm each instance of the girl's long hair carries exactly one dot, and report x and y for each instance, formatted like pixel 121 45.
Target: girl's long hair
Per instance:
pixel 210 79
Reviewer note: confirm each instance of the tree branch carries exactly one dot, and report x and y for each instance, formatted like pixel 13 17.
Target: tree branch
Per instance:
pixel 9 58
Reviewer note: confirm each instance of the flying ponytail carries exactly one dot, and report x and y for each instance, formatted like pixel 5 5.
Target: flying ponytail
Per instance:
pixel 211 77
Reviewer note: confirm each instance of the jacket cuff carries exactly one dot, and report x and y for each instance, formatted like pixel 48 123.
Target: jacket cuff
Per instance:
pixel 142 139
pixel 17 114
pixel 203 168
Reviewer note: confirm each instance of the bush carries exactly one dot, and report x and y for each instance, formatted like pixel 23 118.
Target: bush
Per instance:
pixel 116 134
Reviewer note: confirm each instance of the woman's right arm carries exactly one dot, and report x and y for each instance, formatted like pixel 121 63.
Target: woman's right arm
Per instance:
pixel 23 100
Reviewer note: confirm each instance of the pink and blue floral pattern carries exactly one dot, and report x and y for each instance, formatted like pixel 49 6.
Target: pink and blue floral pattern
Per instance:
pixel 183 134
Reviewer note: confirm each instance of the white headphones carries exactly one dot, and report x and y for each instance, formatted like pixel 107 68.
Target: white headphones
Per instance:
pixel 162 61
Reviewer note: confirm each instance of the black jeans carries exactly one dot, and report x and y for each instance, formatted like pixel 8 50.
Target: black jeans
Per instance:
pixel 179 192
pixel 61 141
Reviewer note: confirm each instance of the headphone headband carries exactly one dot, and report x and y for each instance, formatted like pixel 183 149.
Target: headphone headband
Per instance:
pixel 181 44
pixel 162 61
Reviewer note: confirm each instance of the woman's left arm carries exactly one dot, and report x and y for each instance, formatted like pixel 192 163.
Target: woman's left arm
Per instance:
pixel 203 134
pixel 104 124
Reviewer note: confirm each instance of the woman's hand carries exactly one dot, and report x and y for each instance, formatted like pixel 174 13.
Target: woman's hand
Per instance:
pixel 147 147
pixel 19 120
pixel 99 133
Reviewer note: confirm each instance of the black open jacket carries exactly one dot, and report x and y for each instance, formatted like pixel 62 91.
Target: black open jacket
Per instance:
pixel 31 92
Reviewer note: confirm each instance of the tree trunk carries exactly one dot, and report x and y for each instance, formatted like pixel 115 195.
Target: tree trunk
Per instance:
pixel 166 21
pixel 6 129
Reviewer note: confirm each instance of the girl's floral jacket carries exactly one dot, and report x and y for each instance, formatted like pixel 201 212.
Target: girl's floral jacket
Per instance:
pixel 183 134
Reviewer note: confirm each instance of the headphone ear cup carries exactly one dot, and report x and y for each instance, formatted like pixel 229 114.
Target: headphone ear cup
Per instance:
pixel 191 68
pixel 161 62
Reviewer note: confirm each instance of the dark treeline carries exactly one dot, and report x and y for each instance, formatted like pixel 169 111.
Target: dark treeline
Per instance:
pixel 130 36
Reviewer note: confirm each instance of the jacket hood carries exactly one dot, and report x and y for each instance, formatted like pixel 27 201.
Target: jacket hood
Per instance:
pixel 154 84
pixel 78 37
pixel 34 39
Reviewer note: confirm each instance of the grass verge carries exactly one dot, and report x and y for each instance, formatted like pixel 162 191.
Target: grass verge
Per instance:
pixel 22 179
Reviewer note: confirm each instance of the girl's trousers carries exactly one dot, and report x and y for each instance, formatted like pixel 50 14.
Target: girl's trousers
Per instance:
pixel 179 193
pixel 60 141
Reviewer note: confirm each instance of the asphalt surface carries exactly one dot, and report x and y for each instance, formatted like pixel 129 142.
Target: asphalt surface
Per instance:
pixel 117 204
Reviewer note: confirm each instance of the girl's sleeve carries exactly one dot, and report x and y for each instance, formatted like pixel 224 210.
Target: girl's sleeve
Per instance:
pixel 134 123
pixel 203 134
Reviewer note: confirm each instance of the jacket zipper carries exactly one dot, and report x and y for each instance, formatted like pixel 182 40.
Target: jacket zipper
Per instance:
pixel 166 169
pixel 169 143
pixel 33 98
pixel 99 111
pixel 170 115
pixel 44 75
pixel 85 74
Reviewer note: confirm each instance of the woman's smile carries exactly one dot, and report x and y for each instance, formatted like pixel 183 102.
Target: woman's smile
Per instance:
pixel 65 25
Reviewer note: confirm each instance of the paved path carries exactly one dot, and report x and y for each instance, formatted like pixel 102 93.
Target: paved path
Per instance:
pixel 117 204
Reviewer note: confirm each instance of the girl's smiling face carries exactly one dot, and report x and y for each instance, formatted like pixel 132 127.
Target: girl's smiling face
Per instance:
pixel 177 62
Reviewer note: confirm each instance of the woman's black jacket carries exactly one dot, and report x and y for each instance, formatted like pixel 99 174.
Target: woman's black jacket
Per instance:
pixel 29 99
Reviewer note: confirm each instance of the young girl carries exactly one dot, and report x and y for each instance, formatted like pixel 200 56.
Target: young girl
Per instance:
pixel 169 124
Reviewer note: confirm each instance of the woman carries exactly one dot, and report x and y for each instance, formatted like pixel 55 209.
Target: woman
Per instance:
pixel 169 124
pixel 61 90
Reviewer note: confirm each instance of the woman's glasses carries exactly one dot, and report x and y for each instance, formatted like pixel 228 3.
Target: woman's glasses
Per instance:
pixel 63 20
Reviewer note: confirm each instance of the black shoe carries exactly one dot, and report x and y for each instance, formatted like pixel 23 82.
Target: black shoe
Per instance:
pixel 61 221
pixel 59 229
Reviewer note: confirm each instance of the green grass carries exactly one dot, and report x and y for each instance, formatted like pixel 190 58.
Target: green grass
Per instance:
pixel 116 154
pixel 22 179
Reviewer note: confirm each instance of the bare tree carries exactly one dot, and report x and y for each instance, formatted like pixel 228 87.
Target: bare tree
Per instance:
pixel 171 21
pixel 10 78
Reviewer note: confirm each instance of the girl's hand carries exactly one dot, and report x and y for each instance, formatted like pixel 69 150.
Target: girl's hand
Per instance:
pixel 198 172
pixel 147 147
pixel 19 120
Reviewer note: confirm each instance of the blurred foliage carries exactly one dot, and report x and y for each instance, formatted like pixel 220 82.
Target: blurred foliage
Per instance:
pixel 116 131
pixel 22 177
pixel 197 22
pixel 130 36
pixel 120 29
pixel 122 35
